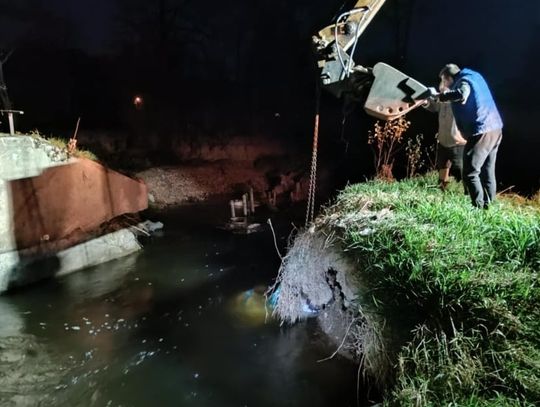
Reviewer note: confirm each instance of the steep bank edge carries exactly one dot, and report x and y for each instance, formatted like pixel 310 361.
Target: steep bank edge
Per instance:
pixel 430 275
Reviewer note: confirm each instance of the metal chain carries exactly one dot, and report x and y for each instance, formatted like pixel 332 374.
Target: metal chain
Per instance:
pixel 310 211
pixel 342 136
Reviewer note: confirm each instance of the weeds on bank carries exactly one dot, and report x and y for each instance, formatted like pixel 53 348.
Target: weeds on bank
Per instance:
pixel 77 153
pixel 458 285
pixel 413 151
pixel 62 144
pixel 385 140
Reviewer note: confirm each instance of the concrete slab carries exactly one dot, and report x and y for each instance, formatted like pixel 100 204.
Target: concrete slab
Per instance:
pixel 18 270
pixel 55 212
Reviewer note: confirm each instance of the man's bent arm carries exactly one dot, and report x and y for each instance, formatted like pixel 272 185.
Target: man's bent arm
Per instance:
pixel 461 94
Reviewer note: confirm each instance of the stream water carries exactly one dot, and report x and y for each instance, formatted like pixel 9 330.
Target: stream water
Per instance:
pixel 170 326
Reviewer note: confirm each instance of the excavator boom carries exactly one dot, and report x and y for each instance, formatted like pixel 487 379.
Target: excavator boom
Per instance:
pixel 391 93
pixel 350 25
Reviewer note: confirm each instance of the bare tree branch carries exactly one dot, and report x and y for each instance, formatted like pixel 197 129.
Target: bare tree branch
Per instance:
pixel 7 56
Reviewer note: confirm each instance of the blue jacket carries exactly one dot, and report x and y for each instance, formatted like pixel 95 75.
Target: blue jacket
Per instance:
pixel 479 114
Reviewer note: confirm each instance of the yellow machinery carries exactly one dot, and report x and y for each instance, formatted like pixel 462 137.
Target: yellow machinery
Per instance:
pixel 391 94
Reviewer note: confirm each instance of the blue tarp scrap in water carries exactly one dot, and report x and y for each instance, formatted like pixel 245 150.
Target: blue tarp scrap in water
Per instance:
pixel 307 308
pixel 274 297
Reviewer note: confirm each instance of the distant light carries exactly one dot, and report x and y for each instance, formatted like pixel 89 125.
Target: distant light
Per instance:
pixel 138 102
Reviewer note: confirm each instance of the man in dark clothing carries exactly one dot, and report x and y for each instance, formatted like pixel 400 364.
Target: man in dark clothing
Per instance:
pixel 480 124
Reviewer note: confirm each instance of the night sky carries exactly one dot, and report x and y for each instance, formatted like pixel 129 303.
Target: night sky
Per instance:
pixel 93 18
pixel 235 63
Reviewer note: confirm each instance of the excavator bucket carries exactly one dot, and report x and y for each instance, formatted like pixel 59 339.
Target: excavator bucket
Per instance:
pixel 393 94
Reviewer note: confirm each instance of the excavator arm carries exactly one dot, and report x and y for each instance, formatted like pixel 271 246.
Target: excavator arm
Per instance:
pixel 349 25
pixel 391 93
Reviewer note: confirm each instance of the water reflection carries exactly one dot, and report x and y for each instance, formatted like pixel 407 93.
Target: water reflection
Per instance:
pixel 101 280
pixel 173 326
pixel 11 320
pixel 250 306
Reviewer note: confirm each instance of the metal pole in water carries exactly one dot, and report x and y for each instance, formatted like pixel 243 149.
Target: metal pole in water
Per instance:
pixel 244 202
pixel 251 201
pixel 11 124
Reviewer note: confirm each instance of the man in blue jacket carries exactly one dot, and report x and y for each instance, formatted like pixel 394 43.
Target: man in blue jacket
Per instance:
pixel 480 124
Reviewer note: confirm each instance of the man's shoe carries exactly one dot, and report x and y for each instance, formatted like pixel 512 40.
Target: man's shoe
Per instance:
pixel 443 185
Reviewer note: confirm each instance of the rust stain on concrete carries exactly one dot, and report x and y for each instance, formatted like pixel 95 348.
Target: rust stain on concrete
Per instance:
pixel 79 196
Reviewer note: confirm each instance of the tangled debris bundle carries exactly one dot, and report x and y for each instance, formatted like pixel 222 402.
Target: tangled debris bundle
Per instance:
pixel 316 272
pixel 303 276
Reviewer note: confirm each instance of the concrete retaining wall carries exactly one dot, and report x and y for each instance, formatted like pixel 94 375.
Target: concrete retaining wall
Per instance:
pixel 77 196
pixel 21 157
pixel 52 211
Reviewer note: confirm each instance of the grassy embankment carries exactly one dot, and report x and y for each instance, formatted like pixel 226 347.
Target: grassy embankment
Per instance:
pixel 458 286
pixel 77 153
pixel 59 143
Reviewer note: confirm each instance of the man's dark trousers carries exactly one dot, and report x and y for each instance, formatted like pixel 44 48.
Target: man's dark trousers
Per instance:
pixel 479 167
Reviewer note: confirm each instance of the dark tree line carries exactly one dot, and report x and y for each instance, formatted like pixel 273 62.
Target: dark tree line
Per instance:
pixel 4 97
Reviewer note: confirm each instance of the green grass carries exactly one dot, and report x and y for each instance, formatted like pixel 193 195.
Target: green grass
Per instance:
pixel 458 288
pixel 62 144
pixel 59 143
